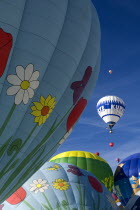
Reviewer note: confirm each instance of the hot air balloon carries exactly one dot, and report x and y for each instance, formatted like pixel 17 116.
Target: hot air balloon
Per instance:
pixel 97 153
pixel 90 162
pixel 111 144
pixel 110 71
pixel 61 186
pixel 118 160
pixel 49 63
pixel 126 178
pixel 110 109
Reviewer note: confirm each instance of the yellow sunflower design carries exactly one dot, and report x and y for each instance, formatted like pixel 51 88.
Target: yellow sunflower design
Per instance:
pixel 42 110
pixel 54 168
pixel 60 184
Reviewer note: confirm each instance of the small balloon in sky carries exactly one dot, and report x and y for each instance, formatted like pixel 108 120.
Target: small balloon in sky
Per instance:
pixel 118 160
pixel 110 71
pixel 97 153
pixel 111 144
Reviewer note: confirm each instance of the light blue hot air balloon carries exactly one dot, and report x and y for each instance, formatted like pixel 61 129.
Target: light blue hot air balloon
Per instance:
pixel 49 63
pixel 61 186
pixel 110 109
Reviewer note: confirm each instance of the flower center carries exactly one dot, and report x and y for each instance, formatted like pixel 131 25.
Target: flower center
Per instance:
pixel 61 184
pixel 39 185
pixel 25 85
pixel 45 110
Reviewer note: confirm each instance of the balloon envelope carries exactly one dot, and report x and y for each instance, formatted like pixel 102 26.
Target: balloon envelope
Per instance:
pixel 90 162
pixel 61 186
pixel 126 178
pixel 110 71
pixel 111 144
pixel 110 109
pixel 118 160
pixel 97 153
pixel 49 63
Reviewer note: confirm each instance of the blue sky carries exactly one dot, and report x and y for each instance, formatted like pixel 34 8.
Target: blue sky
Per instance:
pixel 120 49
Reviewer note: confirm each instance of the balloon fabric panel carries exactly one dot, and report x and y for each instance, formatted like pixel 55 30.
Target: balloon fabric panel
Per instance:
pixel 89 162
pixel 61 186
pixel 44 56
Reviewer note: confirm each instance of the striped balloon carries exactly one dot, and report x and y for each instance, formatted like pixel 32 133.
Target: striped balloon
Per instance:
pixel 110 109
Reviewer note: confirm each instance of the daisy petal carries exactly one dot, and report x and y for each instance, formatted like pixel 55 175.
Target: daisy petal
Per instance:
pixel 40 120
pixel 41 190
pixel 19 96
pixel 33 188
pixel 38 105
pixel 25 97
pixel 45 187
pixel 12 90
pixel 30 92
pixel 42 100
pixel 43 182
pixel 20 72
pixel 33 108
pixel 14 80
pixel 47 99
pixel 36 113
pixel 36 120
pixel 51 102
pixel 44 118
pixel 34 84
pixel 39 181
pixel 29 71
pixel 34 76
pixel 32 185
pixel 35 182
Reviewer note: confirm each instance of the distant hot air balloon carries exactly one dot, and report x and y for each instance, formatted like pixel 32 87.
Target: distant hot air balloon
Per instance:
pixel 110 71
pixel 111 144
pixel 118 160
pixel 49 64
pixel 127 178
pixel 61 186
pixel 90 162
pixel 97 153
pixel 110 109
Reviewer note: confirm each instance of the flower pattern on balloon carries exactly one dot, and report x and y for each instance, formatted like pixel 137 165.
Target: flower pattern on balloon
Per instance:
pixel 53 168
pixel 23 83
pixel 42 110
pixel 60 184
pixel 17 197
pixel 39 186
pixel 95 184
pixel 75 170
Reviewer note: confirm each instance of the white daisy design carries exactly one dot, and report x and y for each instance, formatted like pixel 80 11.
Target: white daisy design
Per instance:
pixel 39 186
pixel 24 83
pixel 65 137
